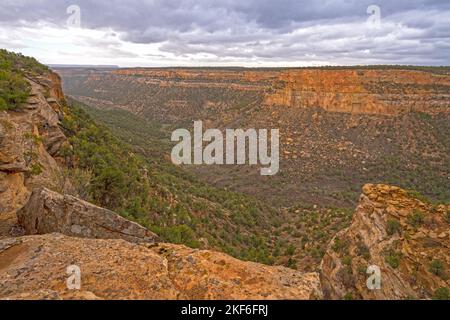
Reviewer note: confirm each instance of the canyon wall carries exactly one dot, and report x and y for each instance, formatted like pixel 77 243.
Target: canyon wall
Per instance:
pixel 355 91
pixel 385 92
pixel 30 141
pixel 339 127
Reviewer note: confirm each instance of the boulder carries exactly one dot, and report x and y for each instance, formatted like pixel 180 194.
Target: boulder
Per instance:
pixel 48 212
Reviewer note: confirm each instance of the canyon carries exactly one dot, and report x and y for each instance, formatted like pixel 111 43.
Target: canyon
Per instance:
pixel 48 223
pixel 339 126
pixel 352 90
pixel 42 232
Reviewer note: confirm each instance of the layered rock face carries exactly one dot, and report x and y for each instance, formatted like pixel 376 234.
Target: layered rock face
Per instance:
pixel 407 239
pixel 29 142
pixel 35 267
pixel 385 92
pixel 355 91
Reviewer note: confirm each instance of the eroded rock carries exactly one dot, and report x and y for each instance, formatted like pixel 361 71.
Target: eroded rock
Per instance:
pixel 35 267
pixel 396 232
pixel 48 212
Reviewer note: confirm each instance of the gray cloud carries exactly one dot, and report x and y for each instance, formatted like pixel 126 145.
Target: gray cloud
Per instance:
pixel 412 31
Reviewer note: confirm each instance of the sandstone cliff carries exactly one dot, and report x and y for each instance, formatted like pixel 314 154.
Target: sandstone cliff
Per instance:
pixel 30 140
pixel 382 91
pixel 385 92
pixel 409 241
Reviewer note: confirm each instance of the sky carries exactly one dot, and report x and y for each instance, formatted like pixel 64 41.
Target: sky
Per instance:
pixel 249 33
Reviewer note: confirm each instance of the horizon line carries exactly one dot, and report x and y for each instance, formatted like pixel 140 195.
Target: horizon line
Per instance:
pixel 113 66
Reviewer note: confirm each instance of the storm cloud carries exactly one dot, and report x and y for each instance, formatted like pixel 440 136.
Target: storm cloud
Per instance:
pixel 236 32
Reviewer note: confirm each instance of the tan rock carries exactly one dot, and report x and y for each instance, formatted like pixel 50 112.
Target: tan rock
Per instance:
pixel 367 242
pixel 358 91
pixel 35 267
pixel 48 212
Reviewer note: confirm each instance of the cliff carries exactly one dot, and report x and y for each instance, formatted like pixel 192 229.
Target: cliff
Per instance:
pixel 30 141
pixel 406 238
pixel 385 92
pixel 382 91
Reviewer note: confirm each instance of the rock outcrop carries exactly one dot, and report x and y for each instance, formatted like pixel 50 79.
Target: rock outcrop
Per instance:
pixel 407 239
pixel 49 212
pixel 229 278
pixel 35 267
pixel 30 140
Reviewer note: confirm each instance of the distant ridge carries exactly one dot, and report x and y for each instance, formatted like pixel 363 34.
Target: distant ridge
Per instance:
pixel 86 66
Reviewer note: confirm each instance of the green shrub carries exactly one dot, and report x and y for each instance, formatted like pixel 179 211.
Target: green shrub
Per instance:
pixel 347 260
pixel 290 250
pixel 33 138
pixel 339 245
pixel 416 194
pixel 393 226
pixel 437 268
pixel 416 218
pixel 363 250
pixel 348 296
pixel 442 293
pixel 14 89
pixel 392 258
pixel 291 263
pixel 362 270
pixel 181 234
pixel 36 169
pixel 3 104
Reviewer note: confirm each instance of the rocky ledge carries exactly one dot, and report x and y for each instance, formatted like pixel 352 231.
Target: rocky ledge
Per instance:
pixel 406 238
pixel 35 267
